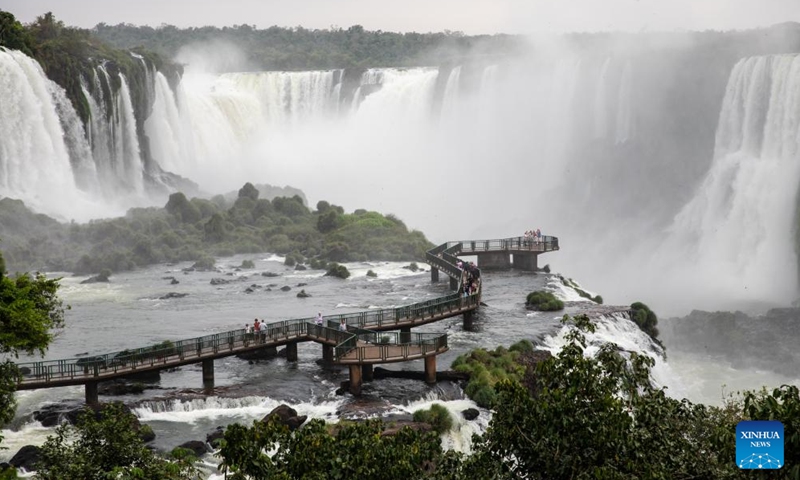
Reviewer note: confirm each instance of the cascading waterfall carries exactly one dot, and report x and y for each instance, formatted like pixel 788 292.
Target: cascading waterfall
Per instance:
pixel 130 168
pixel 169 131
pixel 34 158
pixel 624 125
pixel 738 230
pixel 451 91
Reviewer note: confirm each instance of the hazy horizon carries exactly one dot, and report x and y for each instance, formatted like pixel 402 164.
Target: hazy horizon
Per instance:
pixel 472 17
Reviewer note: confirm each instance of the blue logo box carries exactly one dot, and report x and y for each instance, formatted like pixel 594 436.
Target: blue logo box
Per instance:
pixel 759 445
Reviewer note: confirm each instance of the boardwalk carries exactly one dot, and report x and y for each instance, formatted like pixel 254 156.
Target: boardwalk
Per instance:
pixel 363 344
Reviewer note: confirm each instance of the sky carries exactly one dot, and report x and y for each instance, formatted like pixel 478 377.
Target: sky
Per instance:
pixel 468 16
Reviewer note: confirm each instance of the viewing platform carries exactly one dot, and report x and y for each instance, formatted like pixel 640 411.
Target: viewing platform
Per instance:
pixel 370 337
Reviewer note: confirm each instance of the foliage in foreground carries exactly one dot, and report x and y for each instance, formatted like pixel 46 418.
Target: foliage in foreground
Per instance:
pixel 487 368
pixel 357 450
pixel 107 445
pixel 543 301
pixel 29 312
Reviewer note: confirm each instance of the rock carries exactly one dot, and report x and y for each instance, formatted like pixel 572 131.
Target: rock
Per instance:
pixel 26 458
pixel 172 295
pixel 174 281
pixel 168 278
pixel 270 274
pixel 303 294
pixel 214 437
pixel 198 447
pixel 146 433
pixel 302 284
pixel 4 466
pixel 470 413
pixel 260 354
pixel 272 285
pixel 248 290
pixel 268 289
pixel 96 279
pixel 286 416
pixel 300 267
pixel 219 281
pixel 286 288
pixel 119 387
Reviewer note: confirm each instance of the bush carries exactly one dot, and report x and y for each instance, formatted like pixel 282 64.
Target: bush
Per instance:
pixel 290 261
pixel 204 263
pixel 645 318
pixel 371 274
pixel 543 301
pixel 336 270
pixel 437 416
pixel 247 264
pixel 523 346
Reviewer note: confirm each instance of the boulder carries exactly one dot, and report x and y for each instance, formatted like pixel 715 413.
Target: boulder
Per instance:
pixel 270 274
pixel 26 458
pixel 470 413
pixel 302 284
pixel 286 288
pixel 300 267
pixel 174 281
pixel 287 416
pixel 197 447
pixel 219 281
pixel 248 290
pixel 172 295
pixel 215 437
pixel 303 294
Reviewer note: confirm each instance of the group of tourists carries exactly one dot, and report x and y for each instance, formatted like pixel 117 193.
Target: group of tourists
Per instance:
pixel 470 278
pixel 257 330
pixel 533 237
pixel 320 322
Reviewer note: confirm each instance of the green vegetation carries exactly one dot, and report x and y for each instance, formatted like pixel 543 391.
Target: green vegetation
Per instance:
pixel 371 274
pixel 247 264
pixel 437 416
pixel 107 444
pixel 583 293
pixel 646 319
pixel 198 230
pixel 543 301
pixel 487 368
pixel 298 48
pixel 336 270
pixel 29 312
pixel 356 450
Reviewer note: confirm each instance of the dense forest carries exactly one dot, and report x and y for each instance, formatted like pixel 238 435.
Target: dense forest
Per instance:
pixel 199 229
pixel 277 48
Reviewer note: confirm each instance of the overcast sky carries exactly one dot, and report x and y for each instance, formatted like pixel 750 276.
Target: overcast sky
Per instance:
pixel 469 16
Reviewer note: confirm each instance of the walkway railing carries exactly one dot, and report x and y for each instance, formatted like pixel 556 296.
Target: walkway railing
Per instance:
pixel 546 244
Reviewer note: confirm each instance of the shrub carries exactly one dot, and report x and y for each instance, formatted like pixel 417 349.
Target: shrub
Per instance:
pixel 522 346
pixel 371 274
pixel 247 264
pixel 437 416
pixel 336 270
pixel 204 263
pixel 645 318
pixel 543 301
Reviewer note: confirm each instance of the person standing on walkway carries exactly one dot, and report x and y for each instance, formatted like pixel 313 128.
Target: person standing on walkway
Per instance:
pixel 319 321
pixel 343 326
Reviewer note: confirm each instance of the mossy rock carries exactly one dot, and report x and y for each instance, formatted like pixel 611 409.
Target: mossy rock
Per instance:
pixel 337 270
pixel 371 274
pixel 543 301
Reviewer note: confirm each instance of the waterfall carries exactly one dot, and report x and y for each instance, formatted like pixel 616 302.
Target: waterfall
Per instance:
pixel 169 129
pixel 624 125
pixel 739 229
pixel 34 158
pixel 451 93
pixel 600 102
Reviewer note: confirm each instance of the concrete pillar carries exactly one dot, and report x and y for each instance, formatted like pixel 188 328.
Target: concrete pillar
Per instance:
pixel 499 260
pixel 366 372
pixel 526 261
pixel 91 393
pixel 468 316
pixel 327 354
pixel 208 375
pixel 291 351
pixel 453 284
pixel 355 379
pixel 430 369
pixel 434 275
pixel 405 335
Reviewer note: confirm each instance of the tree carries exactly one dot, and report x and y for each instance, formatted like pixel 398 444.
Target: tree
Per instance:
pixel 248 191
pixel 29 311
pixel 106 444
pixel 13 35
pixel 355 450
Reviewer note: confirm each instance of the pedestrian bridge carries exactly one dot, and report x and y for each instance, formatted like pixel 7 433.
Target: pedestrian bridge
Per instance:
pixel 371 337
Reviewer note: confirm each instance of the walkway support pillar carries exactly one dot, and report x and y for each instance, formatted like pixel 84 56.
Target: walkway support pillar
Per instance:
pixel 208 375
pixel 453 284
pixel 526 261
pixel 91 393
pixel 430 369
pixel 291 351
pixel 327 355
pixel 367 372
pixel 499 260
pixel 468 317
pixel 434 274
pixel 355 379
pixel 405 335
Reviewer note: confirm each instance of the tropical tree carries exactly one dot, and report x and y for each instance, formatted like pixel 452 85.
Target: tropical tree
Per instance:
pixel 106 444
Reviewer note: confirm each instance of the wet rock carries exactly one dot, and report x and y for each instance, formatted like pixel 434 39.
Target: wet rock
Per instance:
pixel 470 413
pixel 219 281
pixel 174 281
pixel 285 288
pixel 300 267
pixel 26 458
pixel 270 274
pixel 172 295
pixel 302 284
pixel 120 387
pixel 248 290
pixel 215 437
pixel 96 279
pixel 197 447
pixel 303 294
pixel 286 416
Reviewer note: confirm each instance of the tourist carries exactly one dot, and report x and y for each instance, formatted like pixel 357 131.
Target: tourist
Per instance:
pixel 263 331
pixel 256 327
pixel 343 326
pixel 319 319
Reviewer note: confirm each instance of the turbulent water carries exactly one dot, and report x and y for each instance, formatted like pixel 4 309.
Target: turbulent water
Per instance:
pixel 127 312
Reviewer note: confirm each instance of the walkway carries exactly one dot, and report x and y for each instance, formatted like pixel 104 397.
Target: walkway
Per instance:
pixel 361 345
